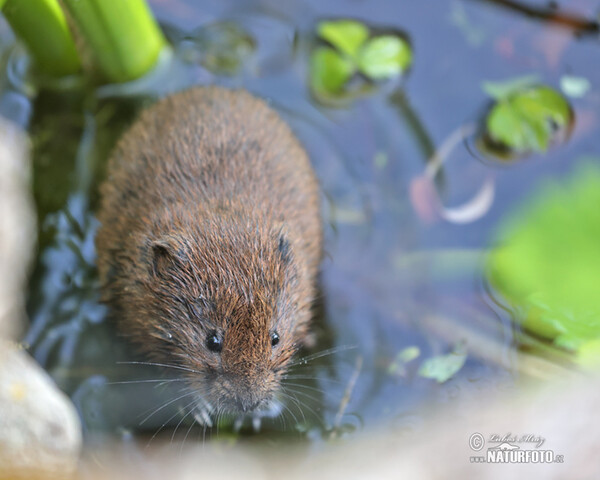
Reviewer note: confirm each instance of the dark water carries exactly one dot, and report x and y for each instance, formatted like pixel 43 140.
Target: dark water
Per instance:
pixel 391 279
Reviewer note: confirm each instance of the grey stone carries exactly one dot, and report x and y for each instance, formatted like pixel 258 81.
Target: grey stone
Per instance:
pixel 17 226
pixel 39 427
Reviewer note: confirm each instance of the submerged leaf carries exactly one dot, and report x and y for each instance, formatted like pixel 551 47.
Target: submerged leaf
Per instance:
pixel 527 120
pixel 502 90
pixel 444 367
pixel 224 47
pixel 329 71
pixel 548 264
pixel 406 355
pixel 384 57
pixel 345 35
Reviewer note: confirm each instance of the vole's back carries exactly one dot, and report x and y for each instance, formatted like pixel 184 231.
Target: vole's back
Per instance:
pixel 210 149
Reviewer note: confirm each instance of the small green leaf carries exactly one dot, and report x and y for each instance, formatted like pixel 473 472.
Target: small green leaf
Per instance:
pixel 547 267
pixel 527 120
pixel 398 366
pixel 574 87
pixel 502 90
pixel 329 71
pixel 345 35
pixel 444 367
pixel 384 57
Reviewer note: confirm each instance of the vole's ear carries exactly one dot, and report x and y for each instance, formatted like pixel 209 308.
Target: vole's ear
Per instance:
pixel 164 254
pixel 284 248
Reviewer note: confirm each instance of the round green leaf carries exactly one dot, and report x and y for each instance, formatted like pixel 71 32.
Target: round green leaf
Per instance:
pixel 345 35
pixel 548 266
pixel 329 71
pixel 384 57
pixel 527 120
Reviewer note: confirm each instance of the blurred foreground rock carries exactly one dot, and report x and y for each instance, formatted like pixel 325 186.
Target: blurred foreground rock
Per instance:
pixel 17 226
pixel 40 435
pixel 563 415
pixel 39 427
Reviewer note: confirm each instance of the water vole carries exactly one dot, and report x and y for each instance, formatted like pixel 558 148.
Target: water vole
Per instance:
pixel 210 242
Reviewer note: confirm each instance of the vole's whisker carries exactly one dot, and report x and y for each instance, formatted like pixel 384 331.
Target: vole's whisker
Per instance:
pixel 306 406
pixel 322 353
pixel 188 431
pixel 158 380
pixel 170 402
pixel 308 387
pixel 304 394
pixel 166 365
pixel 161 427
pixel 182 419
pixel 297 403
pixel 310 377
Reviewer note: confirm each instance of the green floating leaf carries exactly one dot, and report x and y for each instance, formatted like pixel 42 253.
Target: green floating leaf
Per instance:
pixel 444 367
pixel 548 266
pixel 345 35
pixel 329 71
pixel 384 57
pixel 398 366
pixel 527 120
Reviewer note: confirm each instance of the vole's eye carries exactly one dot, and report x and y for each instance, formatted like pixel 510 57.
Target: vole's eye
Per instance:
pixel 214 343
pixel 274 339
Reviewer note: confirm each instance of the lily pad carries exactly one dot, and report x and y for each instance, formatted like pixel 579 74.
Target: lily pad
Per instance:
pixel 443 367
pixel 526 119
pixel 547 265
pixel 384 57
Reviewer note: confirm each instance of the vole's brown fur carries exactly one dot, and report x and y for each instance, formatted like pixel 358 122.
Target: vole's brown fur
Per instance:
pixel 211 227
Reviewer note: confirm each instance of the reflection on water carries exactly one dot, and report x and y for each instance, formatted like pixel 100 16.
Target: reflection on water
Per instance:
pixel 390 280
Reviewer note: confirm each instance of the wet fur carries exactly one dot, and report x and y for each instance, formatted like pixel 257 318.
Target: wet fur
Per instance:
pixel 210 223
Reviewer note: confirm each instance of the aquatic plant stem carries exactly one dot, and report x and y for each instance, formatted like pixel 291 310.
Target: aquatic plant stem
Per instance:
pixel 42 26
pixel 122 35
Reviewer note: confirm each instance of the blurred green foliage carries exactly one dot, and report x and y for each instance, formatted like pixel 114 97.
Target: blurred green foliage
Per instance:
pixel 548 264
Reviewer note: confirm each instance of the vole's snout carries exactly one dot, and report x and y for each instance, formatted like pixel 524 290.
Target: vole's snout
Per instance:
pixel 244 395
pixel 248 401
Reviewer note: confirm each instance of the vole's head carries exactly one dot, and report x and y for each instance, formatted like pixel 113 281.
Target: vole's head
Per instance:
pixel 229 305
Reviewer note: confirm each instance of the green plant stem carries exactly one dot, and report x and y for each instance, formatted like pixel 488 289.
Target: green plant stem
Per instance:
pixel 42 26
pixel 122 35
